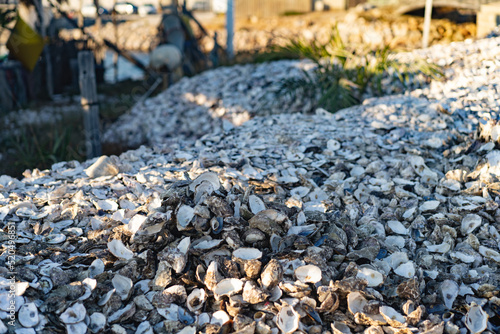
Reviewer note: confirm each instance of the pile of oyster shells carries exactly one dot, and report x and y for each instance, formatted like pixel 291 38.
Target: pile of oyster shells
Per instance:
pixel 219 99
pixel 381 218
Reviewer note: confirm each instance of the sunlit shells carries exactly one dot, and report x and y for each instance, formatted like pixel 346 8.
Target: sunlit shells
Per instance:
pixel 212 276
pixel 287 319
pixel 373 277
pixel 196 299
pixel 299 218
pixel 210 177
pixel 228 287
pixel 476 319
pixel 220 318
pixel 308 274
pixel 272 274
pixel 104 166
pixel 118 249
pixel 406 269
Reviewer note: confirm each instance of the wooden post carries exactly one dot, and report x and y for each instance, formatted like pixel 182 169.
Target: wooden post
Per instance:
pixel 427 23
pixel 89 103
pixel 46 50
pixel 230 29
pixel 115 26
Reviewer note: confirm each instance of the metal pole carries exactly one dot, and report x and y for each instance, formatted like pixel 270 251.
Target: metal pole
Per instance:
pixel 230 29
pixel 427 23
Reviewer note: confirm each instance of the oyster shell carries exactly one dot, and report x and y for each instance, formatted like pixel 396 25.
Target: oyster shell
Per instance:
pixel 308 274
pixel 449 292
pixel 476 319
pixel 196 299
pixel 28 315
pixel 74 314
pixel 287 319
pixel 228 287
pixel 249 258
pixel 118 249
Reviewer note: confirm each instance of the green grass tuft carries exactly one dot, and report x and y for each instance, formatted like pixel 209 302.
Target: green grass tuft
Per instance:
pixel 343 75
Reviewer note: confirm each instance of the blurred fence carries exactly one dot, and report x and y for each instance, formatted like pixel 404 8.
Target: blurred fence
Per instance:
pixel 264 8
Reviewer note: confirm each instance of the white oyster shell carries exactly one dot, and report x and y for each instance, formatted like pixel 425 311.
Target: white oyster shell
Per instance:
pixel 28 315
pixel 469 223
pixel 123 286
pixel 449 292
pixel 394 318
pixel 196 299
pixel 220 318
pixel 96 268
pixel 118 249
pixel 208 177
pixel 228 287
pixel 288 319
pixel 184 216
pixel 78 328
pixel 97 322
pixel 476 319
pixel 406 269
pixel 246 253
pixel 256 204
pixel 373 277
pixel 74 314
pixel 308 273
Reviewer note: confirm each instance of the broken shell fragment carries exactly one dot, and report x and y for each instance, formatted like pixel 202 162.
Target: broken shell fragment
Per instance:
pixel 185 215
pixel 118 249
pixel 449 292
